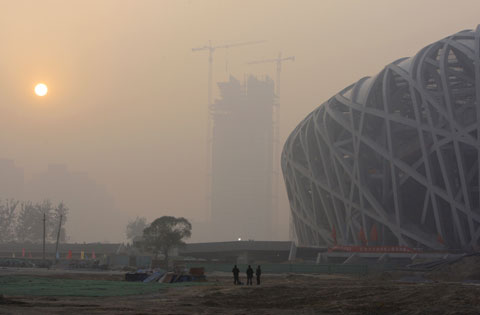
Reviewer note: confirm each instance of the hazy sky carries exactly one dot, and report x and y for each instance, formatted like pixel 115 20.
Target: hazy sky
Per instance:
pixel 127 97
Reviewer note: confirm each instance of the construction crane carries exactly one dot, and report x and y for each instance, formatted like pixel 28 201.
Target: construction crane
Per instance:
pixel 211 49
pixel 276 129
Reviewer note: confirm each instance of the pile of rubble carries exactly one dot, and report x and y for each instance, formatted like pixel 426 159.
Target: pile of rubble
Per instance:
pixel 23 263
pixel 162 276
pixel 466 268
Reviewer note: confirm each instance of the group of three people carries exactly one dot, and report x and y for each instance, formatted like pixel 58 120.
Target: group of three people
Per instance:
pixel 236 273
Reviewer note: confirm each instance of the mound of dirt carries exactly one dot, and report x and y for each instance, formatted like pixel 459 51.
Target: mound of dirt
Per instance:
pixel 467 268
pixel 393 275
pixel 8 301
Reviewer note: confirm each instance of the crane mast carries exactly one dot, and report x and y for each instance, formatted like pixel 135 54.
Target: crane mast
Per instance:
pixel 276 130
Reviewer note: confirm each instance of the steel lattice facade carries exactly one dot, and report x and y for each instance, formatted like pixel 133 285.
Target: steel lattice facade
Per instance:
pixel 393 159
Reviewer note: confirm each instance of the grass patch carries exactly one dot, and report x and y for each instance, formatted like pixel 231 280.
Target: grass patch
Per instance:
pixel 38 286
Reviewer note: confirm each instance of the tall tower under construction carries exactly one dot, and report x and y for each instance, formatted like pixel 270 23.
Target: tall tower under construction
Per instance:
pixel 242 156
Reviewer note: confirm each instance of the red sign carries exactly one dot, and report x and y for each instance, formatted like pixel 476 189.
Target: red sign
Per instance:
pixel 374 233
pixel 362 237
pixel 334 235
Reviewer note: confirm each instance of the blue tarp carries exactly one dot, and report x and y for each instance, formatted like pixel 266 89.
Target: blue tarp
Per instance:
pixel 155 276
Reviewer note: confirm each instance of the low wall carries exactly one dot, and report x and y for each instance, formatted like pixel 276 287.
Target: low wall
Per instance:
pixel 290 268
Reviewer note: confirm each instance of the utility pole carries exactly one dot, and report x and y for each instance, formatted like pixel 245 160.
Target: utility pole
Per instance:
pixel 276 130
pixel 58 236
pixel 44 219
pixel 211 49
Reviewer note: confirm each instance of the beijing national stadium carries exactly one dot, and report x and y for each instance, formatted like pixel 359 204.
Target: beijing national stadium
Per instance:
pixel 393 159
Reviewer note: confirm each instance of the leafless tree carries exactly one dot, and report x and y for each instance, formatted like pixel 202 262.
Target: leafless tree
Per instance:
pixel 135 228
pixel 7 220
pixel 29 224
pixel 60 210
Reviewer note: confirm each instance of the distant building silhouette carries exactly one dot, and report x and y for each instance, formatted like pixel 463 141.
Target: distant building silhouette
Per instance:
pixel 91 207
pixel 11 180
pixel 242 146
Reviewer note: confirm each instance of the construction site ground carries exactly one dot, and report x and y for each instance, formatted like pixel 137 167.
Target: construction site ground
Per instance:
pixel 386 293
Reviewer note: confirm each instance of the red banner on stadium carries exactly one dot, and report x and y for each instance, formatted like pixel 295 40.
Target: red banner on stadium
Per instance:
pixel 372 249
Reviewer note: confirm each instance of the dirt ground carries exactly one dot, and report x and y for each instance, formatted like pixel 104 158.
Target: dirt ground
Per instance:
pixel 278 294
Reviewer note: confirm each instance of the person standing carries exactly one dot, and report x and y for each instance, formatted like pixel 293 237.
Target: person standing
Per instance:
pixel 236 272
pixel 258 273
pixel 249 275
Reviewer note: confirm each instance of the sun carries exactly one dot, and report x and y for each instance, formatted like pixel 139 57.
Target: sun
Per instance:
pixel 41 89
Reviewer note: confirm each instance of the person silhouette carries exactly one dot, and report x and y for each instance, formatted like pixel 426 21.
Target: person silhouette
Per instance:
pixel 249 275
pixel 236 272
pixel 258 273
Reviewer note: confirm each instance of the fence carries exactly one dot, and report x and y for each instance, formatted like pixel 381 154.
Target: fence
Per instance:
pixel 294 268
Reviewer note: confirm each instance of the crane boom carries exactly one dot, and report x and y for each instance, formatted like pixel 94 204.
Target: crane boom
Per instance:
pixel 254 42
pixel 292 58
pixel 210 47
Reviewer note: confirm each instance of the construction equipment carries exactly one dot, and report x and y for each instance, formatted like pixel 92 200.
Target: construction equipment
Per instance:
pixel 276 129
pixel 211 49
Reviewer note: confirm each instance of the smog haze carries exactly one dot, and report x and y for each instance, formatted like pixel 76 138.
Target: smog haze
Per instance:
pixel 121 132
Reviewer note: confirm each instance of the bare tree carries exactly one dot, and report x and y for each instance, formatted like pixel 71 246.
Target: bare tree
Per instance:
pixel 54 218
pixel 29 226
pixel 135 228
pixel 29 223
pixel 7 220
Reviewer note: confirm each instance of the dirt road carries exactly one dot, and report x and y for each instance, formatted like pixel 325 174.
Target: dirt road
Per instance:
pixel 286 294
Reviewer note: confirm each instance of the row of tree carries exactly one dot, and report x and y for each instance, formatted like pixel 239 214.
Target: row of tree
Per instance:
pixel 23 221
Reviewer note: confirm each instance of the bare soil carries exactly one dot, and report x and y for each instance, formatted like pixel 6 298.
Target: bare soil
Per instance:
pixel 278 294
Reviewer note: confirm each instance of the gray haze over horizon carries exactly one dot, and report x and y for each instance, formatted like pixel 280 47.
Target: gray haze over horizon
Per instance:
pixel 126 109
